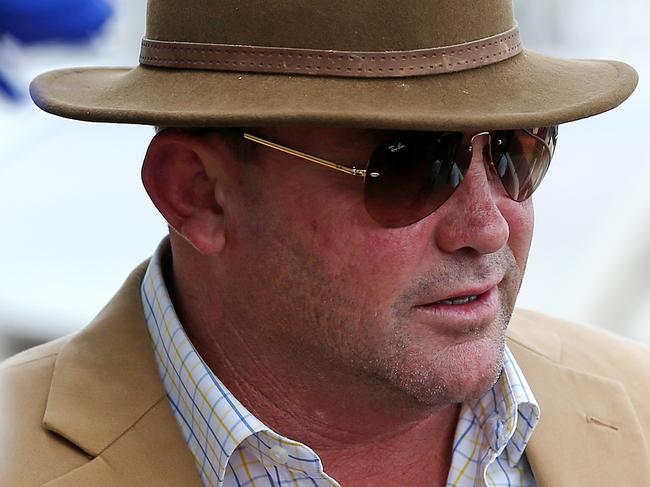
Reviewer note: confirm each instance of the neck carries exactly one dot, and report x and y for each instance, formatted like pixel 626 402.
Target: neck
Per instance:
pixel 339 413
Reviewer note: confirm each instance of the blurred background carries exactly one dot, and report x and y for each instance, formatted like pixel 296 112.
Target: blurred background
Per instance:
pixel 75 219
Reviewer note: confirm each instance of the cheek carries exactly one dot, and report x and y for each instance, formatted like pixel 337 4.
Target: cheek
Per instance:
pixel 521 220
pixel 329 223
pixel 367 261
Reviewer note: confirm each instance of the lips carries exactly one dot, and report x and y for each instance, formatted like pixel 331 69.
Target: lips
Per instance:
pixel 462 313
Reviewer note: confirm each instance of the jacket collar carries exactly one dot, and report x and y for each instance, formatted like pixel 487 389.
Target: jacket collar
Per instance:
pixel 587 421
pixel 106 398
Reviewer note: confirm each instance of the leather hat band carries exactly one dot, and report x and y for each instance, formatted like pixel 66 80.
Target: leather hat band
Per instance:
pixel 355 64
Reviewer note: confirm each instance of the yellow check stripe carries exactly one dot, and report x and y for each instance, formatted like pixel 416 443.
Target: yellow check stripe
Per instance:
pixel 244 463
pixel 204 434
pixel 293 477
pixel 201 433
pixel 468 462
pixel 190 377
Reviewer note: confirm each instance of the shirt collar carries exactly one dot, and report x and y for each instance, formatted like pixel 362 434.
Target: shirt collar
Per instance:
pixel 508 413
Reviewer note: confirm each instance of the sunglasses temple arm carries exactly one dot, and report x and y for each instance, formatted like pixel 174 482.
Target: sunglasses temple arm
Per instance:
pixel 303 155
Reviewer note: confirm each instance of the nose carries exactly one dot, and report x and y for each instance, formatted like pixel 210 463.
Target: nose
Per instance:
pixel 471 217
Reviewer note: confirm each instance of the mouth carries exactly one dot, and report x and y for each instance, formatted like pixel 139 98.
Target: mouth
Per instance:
pixel 457 301
pixel 462 311
pixel 464 296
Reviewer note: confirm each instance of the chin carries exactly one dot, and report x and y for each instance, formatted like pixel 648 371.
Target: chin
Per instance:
pixel 460 373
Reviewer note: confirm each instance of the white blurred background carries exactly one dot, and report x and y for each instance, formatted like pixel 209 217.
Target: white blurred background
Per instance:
pixel 75 219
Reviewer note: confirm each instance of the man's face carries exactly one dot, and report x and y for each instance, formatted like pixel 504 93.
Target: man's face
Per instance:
pixel 317 278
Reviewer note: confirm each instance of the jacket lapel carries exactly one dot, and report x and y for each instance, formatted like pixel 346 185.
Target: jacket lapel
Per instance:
pixel 588 433
pixel 107 399
pixel 152 452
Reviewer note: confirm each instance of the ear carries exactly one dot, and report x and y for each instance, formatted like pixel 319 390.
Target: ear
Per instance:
pixel 181 173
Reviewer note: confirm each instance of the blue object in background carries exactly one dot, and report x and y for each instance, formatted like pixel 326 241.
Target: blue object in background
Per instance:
pixel 32 21
pixel 35 21
pixel 8 89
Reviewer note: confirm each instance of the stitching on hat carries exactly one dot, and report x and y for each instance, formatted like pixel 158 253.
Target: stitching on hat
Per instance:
pixel 175 62
pixel 298 66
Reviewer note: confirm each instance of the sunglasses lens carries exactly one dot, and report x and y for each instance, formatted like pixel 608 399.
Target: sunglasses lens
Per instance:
pixel 522 157
pixel 411 177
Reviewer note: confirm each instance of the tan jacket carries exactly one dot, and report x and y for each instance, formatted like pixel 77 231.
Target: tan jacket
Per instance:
pixel 90 410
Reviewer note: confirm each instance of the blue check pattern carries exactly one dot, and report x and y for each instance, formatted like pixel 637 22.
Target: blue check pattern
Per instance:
pixel 231 447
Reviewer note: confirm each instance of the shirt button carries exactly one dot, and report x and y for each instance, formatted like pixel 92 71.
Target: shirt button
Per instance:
pixel 279 454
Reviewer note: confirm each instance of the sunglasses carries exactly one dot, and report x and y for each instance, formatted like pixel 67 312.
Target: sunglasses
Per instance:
pixel 410 177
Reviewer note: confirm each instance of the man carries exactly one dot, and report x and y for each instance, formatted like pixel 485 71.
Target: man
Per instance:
pixel 331 305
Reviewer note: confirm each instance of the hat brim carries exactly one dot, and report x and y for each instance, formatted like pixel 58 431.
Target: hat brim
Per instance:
pixel 528 90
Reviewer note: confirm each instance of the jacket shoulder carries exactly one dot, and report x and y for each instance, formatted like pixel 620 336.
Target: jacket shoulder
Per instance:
pixel 40 352
pixel 29 454
pixel 581 347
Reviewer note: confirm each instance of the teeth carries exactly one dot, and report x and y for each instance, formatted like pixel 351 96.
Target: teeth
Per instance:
pixel 463 300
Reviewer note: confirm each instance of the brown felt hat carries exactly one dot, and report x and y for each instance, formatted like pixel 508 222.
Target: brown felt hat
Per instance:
pixel 399 64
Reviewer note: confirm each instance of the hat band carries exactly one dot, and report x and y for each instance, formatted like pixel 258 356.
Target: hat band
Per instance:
pixel 355 64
